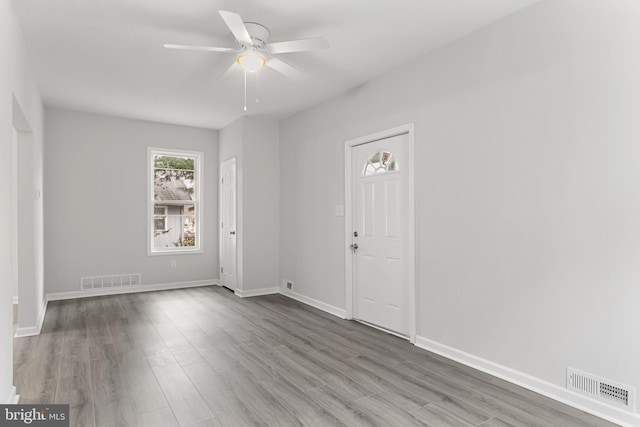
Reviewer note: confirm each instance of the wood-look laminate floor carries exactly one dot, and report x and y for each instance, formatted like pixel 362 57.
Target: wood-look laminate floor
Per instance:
pixel 204 357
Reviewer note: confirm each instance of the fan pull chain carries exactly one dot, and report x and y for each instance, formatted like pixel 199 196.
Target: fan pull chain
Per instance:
pixel 245 90
pixel 257 88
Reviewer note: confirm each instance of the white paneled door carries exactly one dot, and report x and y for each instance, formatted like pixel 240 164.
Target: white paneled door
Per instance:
pixel 380 241
pixel 228 253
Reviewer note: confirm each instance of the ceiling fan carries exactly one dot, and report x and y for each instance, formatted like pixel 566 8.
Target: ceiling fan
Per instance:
pixel 253 50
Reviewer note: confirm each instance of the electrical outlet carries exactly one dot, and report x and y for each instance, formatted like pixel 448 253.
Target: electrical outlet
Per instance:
pixel 289 285
pixel 174 264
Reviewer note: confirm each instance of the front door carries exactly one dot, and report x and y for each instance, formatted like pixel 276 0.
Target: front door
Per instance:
pixel 228 253
pixel 380 242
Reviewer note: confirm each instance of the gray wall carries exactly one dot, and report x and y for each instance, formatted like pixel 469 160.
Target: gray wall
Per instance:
pixel 261 176
pixel 254 142
pixel 20 106
pixel 96 206
pixel 528 236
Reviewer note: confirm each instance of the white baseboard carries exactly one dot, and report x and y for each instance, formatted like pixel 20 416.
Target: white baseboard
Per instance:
pixel 15 299
pixel 532 383
pixel 30 331
pixel 13 398
pixel 314 303
pixel 129 290
pixel 256 292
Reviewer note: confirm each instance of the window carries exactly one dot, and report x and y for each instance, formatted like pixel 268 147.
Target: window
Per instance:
pixel 160 218
pixel 380 162
pixel 174 201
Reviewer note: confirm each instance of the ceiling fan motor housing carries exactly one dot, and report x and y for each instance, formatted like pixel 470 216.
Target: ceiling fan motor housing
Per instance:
pixel 259 34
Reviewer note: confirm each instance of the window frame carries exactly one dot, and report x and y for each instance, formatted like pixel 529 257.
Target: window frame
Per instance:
pixel 197 201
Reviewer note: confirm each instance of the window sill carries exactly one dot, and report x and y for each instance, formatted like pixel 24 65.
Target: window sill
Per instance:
pixel 175 252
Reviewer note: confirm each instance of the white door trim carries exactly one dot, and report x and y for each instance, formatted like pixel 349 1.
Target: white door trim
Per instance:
pixel 348 220
pixel 220 208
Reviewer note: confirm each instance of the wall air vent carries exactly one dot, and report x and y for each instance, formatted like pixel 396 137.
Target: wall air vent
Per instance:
pixel 601 389
pixel 113 281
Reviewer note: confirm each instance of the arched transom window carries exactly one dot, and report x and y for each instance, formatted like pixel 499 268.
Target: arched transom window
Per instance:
pixel 380 162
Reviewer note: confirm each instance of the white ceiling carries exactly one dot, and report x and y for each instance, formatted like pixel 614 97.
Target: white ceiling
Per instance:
pixel 106 56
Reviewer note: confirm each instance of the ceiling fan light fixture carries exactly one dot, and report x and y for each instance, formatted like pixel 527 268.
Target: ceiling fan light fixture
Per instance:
pixel 251 61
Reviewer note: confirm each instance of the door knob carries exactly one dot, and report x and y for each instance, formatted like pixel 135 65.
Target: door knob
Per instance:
pixel 354 247
pixel 232 232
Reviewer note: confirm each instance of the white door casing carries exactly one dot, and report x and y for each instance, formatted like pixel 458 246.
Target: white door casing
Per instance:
pixel 14 213
pixel 228 228
pixel 380 209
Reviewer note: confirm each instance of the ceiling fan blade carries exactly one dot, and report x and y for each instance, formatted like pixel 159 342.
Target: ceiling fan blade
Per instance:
pixel 284 68
pixel 202 48
pixel 234 68
pixel 304 45
pixel 235 24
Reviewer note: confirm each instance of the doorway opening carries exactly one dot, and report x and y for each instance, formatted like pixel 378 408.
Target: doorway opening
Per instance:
pixel 27 226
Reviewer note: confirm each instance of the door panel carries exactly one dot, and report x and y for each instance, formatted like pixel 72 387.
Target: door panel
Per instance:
pixel 392 209
pixel 381 207
pixel 368 211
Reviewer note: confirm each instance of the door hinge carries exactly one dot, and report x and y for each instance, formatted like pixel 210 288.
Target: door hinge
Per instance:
pixel 222 225
pixel 222 180
pixel 221 269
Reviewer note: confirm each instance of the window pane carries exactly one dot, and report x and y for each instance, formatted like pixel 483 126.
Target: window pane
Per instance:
pixel 173 185
pixel 173 162
pixel 369 169
pixel 189 229
pixel 159 218
pixel 380 162
pixel 174 174
pixel 174 177
pixel 160 223
pixel 385 156
pixel 179 230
